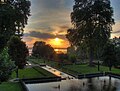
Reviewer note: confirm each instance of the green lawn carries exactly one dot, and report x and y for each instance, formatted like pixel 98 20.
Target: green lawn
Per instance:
pixel 44 72
pixel 32 73
pixel 41 61
pixel 84 69
pixel 9 86
pixel 77 69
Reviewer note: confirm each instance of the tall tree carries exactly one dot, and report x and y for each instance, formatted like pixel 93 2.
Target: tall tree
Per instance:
pixel 92 20
pixel 18 52
pixel 13 18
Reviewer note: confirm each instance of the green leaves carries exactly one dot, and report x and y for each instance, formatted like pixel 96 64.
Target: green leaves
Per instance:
pixel 43 50
pixel 18 51
pixel 13 18
pixel 6 65
pixel 92 20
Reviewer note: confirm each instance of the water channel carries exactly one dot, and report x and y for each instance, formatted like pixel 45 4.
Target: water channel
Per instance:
pixel 91 84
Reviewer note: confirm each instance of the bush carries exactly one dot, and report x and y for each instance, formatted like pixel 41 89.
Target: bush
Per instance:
pixel 6 65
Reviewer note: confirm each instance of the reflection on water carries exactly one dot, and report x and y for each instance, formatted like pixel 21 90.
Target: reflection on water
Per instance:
pixel 93 84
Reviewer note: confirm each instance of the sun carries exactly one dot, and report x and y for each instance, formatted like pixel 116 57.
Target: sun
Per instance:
pixel 57 42
pixel 57 39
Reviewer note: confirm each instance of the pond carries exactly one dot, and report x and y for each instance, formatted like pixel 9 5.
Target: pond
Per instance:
pixel 91 84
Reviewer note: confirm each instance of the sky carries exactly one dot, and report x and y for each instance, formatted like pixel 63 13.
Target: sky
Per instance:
pixel 50 20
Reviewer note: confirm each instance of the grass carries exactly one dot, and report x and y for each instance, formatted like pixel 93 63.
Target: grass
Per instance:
pixel 44 72
pixel 41 61
pixel 9 86
pixel 85 69
pixel 77 69
pixel 32 73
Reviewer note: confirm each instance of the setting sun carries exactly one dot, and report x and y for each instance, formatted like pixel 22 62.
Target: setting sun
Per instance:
pixel 57 41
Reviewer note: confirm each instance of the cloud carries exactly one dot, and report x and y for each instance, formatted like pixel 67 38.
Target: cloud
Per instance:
pixel 39 35
pixel 114 32
pixel 43 36
pixel 46 14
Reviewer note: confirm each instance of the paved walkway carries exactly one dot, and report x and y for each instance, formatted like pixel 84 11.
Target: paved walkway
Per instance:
pixel 57 72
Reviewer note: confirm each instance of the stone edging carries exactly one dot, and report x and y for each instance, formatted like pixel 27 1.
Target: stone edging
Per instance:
pixel 23 85
pixel 99 75
pixel 41 80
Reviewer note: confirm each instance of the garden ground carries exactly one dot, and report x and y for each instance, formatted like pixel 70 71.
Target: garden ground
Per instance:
pixel 10 86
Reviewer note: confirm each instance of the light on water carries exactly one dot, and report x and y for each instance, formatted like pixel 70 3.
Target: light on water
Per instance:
pixel 93 84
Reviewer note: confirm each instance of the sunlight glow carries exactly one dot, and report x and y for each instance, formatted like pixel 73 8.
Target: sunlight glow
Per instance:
pixel 57 40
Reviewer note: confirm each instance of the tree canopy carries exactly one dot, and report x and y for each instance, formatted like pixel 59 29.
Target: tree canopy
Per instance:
pixel 92 20
pixel 43 50
pixel 109 55
pixel 18 51
pixel 13 18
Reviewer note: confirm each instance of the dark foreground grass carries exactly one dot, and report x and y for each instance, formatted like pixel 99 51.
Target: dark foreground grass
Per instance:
pixel 35 72
pixel 9 86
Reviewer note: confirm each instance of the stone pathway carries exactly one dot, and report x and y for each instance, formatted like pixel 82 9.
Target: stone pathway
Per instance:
pixel 57 72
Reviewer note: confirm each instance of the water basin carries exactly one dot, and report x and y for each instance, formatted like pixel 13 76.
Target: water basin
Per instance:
pixel 91 84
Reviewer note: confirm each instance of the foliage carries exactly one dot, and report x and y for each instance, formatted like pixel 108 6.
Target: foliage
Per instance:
pixel 92 20
pixel 6 65
pixel 71 50
pixel 18 51
pixel 116 43
pixel 109 55
pixel 72 58
pixel 118 55
pixel 43 50
pixel 13 18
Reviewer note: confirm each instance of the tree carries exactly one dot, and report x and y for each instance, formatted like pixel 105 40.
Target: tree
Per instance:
pixel 18 52
pixel 109 55
pixel 6 65
pixel 92 20
pixel 13 18
pixel 116 43
pixel 43 50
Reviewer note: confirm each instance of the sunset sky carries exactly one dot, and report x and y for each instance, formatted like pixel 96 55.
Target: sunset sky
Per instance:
pixel 50 20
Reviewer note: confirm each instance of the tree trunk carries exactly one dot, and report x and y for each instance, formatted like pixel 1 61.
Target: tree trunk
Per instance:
pixel 110 68
pixel 98 66
pixel 17 73
pixel 91 56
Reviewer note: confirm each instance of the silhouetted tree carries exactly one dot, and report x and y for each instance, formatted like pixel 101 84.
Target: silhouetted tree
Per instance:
pixel 18 52
pixel 92 20
pixel 13 18
pixel 43 50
